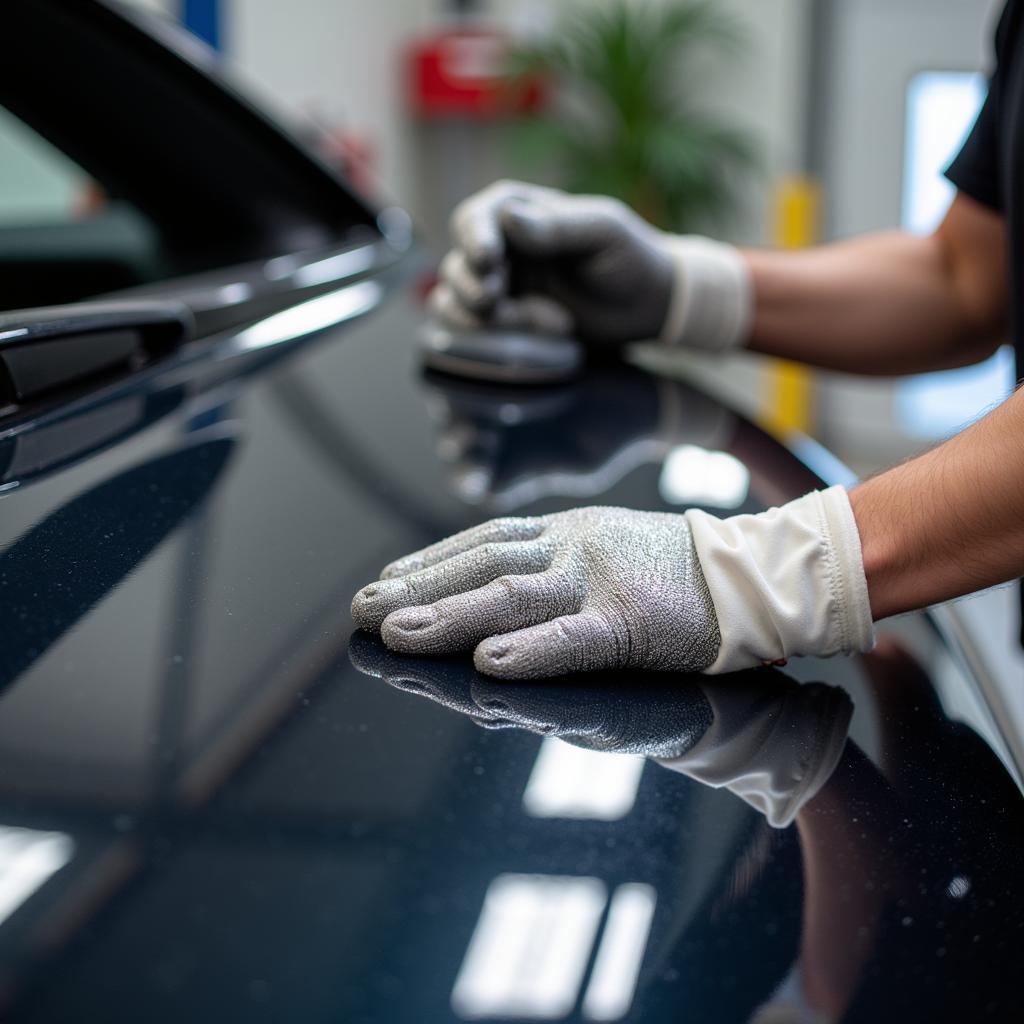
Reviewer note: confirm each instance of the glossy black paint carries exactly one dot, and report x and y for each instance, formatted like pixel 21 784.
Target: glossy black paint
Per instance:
pixel 263 831
pixel 49 350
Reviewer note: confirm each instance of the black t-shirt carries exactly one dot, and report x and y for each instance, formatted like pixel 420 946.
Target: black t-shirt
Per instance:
pixel 990 166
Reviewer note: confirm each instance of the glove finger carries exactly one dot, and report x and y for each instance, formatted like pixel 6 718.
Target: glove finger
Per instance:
pixel 459 623
pixel 474 292
pixel 572 643
pixel 542 227
pixel 445 305
pixel 475 222
pixel 535 313
pixel 472 569
pixel 494 531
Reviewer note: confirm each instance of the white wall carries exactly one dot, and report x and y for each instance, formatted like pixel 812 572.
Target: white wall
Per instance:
pixel 341 62
pixel 767 93
pixel 877 46
pixel 344 60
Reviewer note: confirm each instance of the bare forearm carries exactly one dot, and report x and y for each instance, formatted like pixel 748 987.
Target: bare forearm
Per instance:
pixel 874 305
pixel 887 303
pixel 949 522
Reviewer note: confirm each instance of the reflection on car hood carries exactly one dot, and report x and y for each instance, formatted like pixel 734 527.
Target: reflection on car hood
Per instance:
pixel 213 812
pixel 759 734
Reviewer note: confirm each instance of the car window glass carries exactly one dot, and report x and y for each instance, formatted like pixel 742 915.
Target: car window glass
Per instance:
pixel 62 237
pixel 38 183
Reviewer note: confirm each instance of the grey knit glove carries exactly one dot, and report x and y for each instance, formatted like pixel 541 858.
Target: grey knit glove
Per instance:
pixel 612 588
pixel 569 592
pixel 539 259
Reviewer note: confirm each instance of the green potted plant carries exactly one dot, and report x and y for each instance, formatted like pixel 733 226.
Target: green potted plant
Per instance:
pixel 623 122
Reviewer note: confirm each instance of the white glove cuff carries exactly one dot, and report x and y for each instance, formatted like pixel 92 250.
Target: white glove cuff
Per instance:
pixel 786 582
pixel 712 304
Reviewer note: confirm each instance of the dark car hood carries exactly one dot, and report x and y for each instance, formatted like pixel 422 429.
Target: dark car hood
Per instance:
pixel 255 825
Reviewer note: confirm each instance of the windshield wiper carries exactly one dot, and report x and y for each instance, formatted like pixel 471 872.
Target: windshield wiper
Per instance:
pixel 51 349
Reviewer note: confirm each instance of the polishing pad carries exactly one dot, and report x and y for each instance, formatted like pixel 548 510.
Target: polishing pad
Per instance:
pixel 509 357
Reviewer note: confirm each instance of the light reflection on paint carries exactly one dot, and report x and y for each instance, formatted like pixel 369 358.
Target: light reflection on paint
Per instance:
pixel 28 858
pixel 232 294
pixel 617 967
pixel 697 476
pixel 333 268
pixel 314 315
pixel 570 782
pixel 575 483
pixel 820 460
pixel 530 947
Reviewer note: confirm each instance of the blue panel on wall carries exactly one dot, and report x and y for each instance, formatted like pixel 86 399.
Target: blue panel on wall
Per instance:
pixel 203 18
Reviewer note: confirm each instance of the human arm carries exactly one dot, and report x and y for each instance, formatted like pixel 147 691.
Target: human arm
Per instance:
pixel 949 522
pixel 887 303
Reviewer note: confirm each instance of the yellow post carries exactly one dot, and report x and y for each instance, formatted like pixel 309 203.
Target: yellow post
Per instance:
pixel 788 390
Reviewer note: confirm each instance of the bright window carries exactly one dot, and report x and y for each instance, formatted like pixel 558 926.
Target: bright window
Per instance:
pixel 941 107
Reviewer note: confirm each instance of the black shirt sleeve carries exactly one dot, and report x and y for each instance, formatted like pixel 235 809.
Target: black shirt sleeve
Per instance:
pixel 976 169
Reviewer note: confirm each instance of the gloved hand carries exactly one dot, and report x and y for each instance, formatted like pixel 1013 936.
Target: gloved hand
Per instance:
pixel 611 588
pixel 539 259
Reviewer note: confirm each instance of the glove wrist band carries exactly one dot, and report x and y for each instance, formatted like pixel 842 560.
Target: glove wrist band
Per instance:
pixel 712 303
pixel 786 582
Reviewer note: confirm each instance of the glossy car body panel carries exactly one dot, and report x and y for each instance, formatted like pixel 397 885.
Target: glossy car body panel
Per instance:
pixel 260 828
pixel 216 803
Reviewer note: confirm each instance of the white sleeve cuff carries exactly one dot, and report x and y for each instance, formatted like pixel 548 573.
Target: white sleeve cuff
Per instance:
pixel 712 304
pixel 786 582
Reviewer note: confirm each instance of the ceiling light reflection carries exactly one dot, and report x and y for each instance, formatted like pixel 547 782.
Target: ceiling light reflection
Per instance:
pixel 617 967
pixel 344 264
pixel 28 858
pixel 570 782
pixel 696 476
pixel 232 294
pixel 313 315
pixel 530 947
